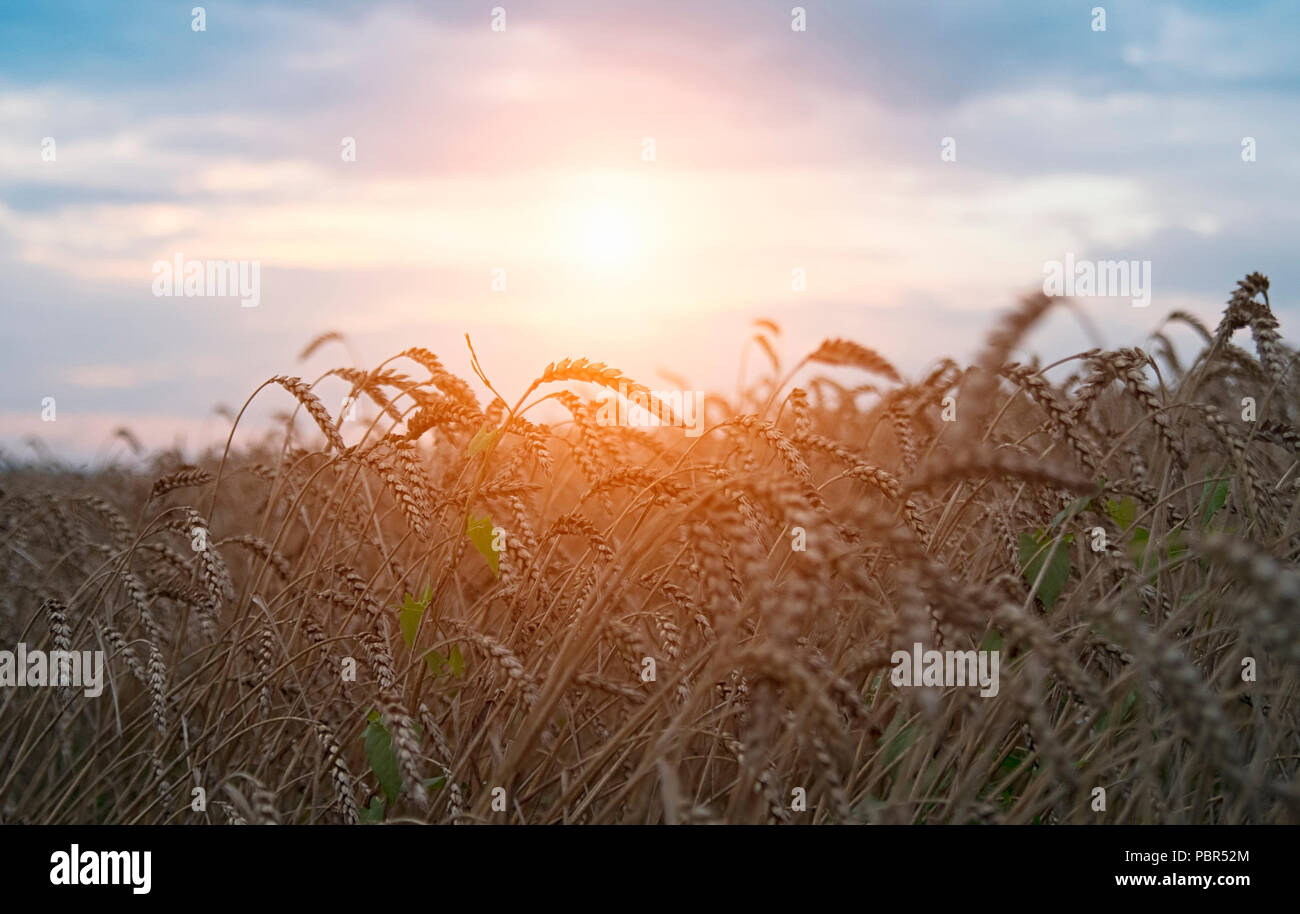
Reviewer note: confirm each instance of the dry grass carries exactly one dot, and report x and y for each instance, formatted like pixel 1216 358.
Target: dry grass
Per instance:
pixel 226 664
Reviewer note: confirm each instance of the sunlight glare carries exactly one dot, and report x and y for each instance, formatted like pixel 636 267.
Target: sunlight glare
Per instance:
pixel 610 225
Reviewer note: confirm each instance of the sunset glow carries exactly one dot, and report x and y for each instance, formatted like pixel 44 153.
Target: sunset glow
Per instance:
pixel 635 181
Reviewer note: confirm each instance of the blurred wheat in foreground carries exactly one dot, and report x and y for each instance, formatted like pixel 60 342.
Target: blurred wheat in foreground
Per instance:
pixel 450 612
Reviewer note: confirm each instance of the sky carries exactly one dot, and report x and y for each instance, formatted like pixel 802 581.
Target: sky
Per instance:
pixel 633 182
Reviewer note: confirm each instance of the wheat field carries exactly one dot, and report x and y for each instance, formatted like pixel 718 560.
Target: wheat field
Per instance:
pixel 458 612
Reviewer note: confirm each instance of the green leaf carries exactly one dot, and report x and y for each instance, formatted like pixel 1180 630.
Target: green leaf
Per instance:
pixel 899 737
pixel 993 641
pixel 374 814
pixel 1125 712
pixel 435 783
pixel 380 755
pixel 435 662
pixel 1123 512
pixel 1177 544
pixel 1137 546
pixel 480 534
pixel 409 618
pixel 1033 555
pixel 484 440
pixel 451 665
pixel 1078 506
pixel 1213 496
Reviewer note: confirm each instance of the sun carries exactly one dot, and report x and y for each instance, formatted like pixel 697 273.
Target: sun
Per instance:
pixel 610 225
pixel 610 235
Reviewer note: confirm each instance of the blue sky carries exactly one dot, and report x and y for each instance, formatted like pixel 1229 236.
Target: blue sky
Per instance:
pixel 522 150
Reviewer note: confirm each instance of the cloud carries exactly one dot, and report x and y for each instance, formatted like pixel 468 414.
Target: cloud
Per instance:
pixel 1243 47
pixel 478 150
